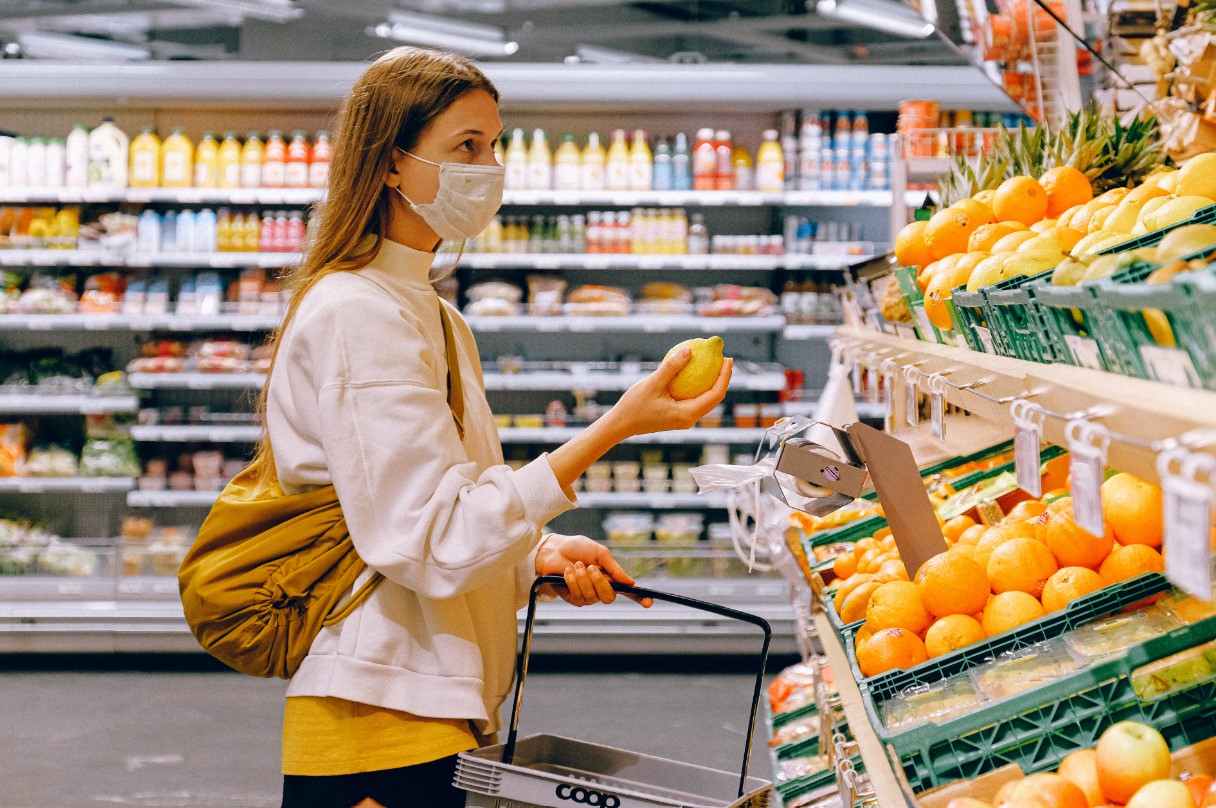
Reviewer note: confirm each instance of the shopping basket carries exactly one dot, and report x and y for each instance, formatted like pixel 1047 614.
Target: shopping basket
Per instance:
pixel 548 770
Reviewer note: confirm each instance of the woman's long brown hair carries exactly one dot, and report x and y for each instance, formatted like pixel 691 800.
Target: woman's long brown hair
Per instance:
pixel 390 105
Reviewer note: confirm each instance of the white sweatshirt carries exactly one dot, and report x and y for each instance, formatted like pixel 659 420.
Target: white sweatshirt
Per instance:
pixel 358 398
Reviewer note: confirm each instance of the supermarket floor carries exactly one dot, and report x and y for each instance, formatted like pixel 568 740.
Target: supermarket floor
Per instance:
pixel 203 738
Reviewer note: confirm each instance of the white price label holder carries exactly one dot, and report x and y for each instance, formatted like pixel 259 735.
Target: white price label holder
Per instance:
pixel 911 396
pixel 1088 444
pixel 937 405
pixel 872 396
pixel 889 369
pixel 1188 482
pixel 1027 445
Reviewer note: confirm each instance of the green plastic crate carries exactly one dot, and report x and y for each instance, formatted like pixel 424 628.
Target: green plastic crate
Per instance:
pixel 1017 329
pixel 967 311
pixel 1195 325
pixel 926 331
pixel 1202 216
pixel 1038 728
pixel 1109 599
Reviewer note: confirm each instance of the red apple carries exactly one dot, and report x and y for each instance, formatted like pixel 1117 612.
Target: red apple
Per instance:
pixel 1198 785
pixel 1130 755
pixel 1051 789
pixel 1081 768
pixel 1162 794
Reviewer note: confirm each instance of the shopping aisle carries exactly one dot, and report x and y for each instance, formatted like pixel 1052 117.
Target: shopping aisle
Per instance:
pixel 211 739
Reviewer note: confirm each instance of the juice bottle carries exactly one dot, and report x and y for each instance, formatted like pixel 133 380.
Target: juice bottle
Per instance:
pixel 681 165
pixel 616 169
pixel 145 159
pixel 641 163
pixel 251 161
pixel 705 161
pixel 770 164
pixel 176 160
pixel 295 231
pixel 207 162
pixel 56 153
pixel 540 162
pixel 318 163
pixel 76 173
pixel 517 162
pixel 35 160
pixel 108 156
pixel 567 165
pixel 724 173
pixel 223 231
pixel 298 153
pixel 592 171
pixel 662 177
pixel 266 233
pixel 229 173
pixel 249 232
pixel 745 172
pixel 18 165
pixel 274 161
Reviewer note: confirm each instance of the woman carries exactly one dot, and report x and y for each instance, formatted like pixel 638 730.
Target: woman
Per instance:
pixel 376 387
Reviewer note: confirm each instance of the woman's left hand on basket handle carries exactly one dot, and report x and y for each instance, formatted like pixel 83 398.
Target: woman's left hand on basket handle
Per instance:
pixel 587 566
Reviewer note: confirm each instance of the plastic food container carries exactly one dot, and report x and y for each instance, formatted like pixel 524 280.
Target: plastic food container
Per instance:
pixel 747 416
pixel 679 528
pixel 770 414
pixel 713 418
pixel 1177 672
pixel 626 478
pixel 935 702
pixel 599 478
pixel 626 527
pixel 1025 669
pixel 1103 639
pixel 1186 608
pixel 529 421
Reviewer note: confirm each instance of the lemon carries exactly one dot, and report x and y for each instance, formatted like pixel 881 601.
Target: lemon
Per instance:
pixel 987 272
pixel 1124 217
pixel 1012 241
pixel 1174 210
pixel 702 369
pixel 1069 273
pixel 1186 240
pixel 1198 177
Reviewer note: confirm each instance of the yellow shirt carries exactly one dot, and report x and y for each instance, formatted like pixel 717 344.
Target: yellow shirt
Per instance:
pixel 323 735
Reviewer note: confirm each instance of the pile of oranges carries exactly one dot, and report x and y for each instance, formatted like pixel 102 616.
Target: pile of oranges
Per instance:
pixel 993 578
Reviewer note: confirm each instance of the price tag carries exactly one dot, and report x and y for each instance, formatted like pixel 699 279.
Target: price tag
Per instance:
pixel 985 337
pixel 1027 458
pixel 1085 352
pixel 937 415
pixel 1170 365
pixel 1188 525
pixel 926 325
pixel 911 404
pixel 990 513
pixel 1087 449
pixel 856 377
pixel 888 394
pixel 872 385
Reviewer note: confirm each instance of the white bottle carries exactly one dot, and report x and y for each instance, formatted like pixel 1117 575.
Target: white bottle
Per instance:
pixel 56 165
pixel 18 163
pixel 517 162
pixel 77 158
pixel 108 157
pixel 35 160
pixel 204 231
pixel 6 148
pixel 540 163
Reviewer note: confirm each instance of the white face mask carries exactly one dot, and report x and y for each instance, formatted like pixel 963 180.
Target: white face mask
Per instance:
pixel 467 199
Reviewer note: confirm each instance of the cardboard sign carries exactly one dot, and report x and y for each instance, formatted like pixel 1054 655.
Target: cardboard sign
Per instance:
pixel 902 494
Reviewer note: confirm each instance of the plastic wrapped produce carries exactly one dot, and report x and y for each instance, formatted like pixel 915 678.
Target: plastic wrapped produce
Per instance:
pixel 50 461
pixel 109 457
pixel 1025 669
pixel 936 703
pixel 1102 639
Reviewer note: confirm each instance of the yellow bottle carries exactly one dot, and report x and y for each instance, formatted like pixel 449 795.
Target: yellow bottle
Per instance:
pixel 616 170
pixel 223 231
pixel 770 164
pixel 745 172
pixel 591 177
pixel 540 163
pixel 229 175
pixel 176 160
pixel 641 163
pixel 207 163
pixel 567 165
pixel 251 161
pixel 144 171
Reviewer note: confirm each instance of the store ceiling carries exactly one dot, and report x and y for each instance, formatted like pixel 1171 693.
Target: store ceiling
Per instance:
pixel 747 31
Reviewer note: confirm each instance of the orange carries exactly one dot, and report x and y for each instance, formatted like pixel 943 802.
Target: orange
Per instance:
pixel 1144 193
pixel 890 648
pixel 843 588
pixel 972 534
pixel 1025 511
pixel 954 528
pixel 1010 610
pixel 951 633
pixel 986 235
pixel 845 564
pixel 941 288
pixel 926 274
pixel 1130 561
pixel 1068 584
pixel 898 605
pixel 855 604
pixel 1066 187
pixel 1020 199
pixel 1050 790
pixel 981 209
pixel 864 633
pixel 893 568
pixel 910 248
pixel 1133 508
pixel 951 583
pixel 994 537
pixel 1081 767
pixel 950 229
pixel 1021 565
pixel 1011 242
pixel 1066 237
pixel 1069 543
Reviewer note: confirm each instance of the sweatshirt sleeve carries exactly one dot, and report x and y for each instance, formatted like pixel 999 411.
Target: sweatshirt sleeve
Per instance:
pixel 419 511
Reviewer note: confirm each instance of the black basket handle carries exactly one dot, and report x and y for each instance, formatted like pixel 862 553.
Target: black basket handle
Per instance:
pixel 521 664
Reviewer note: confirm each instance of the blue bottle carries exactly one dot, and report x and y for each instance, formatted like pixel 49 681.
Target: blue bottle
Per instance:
pixel 663 175
pixel 681 165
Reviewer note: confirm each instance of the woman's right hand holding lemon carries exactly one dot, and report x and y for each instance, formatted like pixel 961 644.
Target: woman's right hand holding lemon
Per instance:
pixel 649 406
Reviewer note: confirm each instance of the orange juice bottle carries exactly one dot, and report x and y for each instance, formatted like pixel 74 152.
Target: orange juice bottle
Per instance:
pixel 229 174
pixel 144 171
pixel 298 154
pixel 616 170
pixel 641 163
pixel 318 164
pixel 207 162
pixel 770 164
pixel 274 161
pixel 176 160
pixel 251 161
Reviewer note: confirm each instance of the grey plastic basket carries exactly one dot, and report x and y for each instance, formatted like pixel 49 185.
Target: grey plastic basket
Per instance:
pixel 548 770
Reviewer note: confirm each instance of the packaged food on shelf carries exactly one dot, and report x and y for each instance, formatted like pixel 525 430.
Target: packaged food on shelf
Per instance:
pixel 599 478
pixel 1187 608
pixel 729 300
pixel 679 528
pixel 1102 639
pixel 109 456
pixel 625 477
pixel 1024 669
pixel 937 702
pixel 14 439
pixel 146 548
pixel 797 730
pixel 597 301
pixel 494 299
pixel 1174 673
pixel 545 294
pixel 629 527
pixel 51 460
pixel 26 549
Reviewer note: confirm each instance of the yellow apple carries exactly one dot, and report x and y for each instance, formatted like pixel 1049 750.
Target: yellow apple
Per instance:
pixel 1129 756
pixel 1162 794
